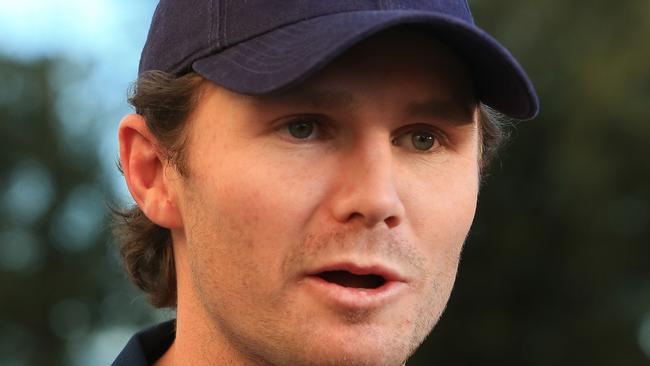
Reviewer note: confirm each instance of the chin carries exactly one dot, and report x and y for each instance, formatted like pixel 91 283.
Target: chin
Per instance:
pixel 362 354
pixel 361 346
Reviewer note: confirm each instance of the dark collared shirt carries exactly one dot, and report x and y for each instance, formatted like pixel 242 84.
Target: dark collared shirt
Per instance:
pixel 147 346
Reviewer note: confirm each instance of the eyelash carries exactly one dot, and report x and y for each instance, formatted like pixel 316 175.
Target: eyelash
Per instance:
pixel 323 132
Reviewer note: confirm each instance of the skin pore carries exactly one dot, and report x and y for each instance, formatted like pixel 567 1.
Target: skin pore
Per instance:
pixel 371 162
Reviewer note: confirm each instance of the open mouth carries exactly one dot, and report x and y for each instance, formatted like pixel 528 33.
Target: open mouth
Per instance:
pixel 351 280
pixel 351 286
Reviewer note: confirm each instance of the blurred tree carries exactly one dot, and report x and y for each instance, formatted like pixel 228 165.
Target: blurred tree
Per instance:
pixel 60 282
pixel 557 268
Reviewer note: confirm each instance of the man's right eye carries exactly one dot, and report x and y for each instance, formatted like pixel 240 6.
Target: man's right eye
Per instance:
pixel 305 128
pixel 301 129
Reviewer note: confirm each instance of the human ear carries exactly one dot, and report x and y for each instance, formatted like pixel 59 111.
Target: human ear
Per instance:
pixel 144 168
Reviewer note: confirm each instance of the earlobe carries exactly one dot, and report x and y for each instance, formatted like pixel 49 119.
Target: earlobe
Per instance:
pixel 144 171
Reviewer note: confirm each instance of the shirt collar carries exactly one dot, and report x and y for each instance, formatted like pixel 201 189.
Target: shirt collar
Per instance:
pixel 148 345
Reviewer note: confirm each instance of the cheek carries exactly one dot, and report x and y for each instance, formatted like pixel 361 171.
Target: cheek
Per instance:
pixel 441 208
pixel 441 212
pixel 251 216
pixel 274 196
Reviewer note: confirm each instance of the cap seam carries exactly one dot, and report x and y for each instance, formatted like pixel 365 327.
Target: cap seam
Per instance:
pixel 211 30
pixel 225 23
pixel 469 11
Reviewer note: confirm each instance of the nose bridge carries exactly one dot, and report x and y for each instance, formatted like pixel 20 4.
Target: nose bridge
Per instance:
pixel 366 189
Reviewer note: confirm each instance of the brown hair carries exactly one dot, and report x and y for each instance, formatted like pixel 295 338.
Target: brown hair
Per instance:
pixel 166 102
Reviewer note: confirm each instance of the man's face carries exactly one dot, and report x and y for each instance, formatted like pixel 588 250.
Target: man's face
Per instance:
pixel 323 225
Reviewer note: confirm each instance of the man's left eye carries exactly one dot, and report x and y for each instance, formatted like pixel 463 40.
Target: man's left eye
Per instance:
pixel 419 140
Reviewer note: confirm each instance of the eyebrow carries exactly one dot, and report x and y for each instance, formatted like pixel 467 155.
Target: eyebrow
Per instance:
pixel 335 99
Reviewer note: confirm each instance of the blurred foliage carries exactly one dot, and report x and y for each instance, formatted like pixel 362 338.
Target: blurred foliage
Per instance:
pixel 556 269
pixel 59 277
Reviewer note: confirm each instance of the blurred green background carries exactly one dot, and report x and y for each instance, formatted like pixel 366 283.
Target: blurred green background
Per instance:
pixel 557 267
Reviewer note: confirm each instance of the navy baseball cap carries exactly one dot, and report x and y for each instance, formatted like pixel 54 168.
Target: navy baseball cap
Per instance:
pixel 257 47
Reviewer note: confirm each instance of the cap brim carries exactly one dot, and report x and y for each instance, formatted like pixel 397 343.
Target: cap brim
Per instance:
pixel 285 56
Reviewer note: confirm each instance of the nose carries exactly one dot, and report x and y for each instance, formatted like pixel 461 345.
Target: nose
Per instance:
pixel 366 188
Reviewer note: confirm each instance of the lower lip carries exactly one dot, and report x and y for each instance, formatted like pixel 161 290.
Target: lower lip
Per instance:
pixel 354 297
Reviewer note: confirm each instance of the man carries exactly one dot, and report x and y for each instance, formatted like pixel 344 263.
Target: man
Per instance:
pixel 305 174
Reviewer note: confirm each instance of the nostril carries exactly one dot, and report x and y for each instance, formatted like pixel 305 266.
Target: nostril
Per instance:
pixel 355 216
pixel 391 221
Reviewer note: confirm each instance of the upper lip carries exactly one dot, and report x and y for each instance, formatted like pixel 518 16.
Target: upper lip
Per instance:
pixel 388 273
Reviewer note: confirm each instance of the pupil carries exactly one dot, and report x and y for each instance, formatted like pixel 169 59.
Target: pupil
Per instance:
pixel 422 140
pixel 301 130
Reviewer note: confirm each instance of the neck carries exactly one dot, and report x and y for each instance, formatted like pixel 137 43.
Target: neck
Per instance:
pixel 198 340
